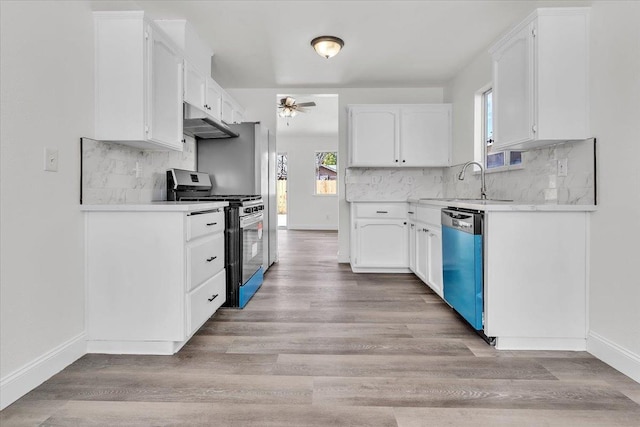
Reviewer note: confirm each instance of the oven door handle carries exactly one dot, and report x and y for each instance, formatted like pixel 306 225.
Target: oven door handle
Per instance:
pixel 250 220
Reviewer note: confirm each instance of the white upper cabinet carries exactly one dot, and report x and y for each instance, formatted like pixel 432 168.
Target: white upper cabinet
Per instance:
pixel 374 135
pixel 213 99
pixel 194 86
pixel 400 135
pixel 139 79
pixel 425 135
pixel 201 90
pixel 232 112
pixel 540 80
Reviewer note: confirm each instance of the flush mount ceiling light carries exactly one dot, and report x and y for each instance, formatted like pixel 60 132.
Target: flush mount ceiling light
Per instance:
pixel 327 46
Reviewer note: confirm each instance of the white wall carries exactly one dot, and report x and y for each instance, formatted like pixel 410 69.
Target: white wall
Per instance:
pixel 260 107
pixel 306 210
pixel 615 111
pixel 614 306
pixel 46 101
pixel 460 92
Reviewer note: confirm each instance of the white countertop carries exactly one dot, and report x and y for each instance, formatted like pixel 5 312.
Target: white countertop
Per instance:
pixel 498 205
pixel 155 207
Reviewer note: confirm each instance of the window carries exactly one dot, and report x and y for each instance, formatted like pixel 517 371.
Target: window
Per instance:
pixel 484 153
pixel 326 173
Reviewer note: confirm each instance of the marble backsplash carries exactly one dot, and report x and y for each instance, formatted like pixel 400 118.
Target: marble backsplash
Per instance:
pixel 392 184
pixel 113 173
pixel 536 182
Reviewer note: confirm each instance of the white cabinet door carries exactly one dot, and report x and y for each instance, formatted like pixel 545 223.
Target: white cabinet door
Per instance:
pixel 226 108
pixel 513 90
pixel 425 135
pixel 381 243
pixel 422 252
pixel 540 80
pixel 139 83
pixel 374 136
pixel 434 260
pixel 412 246
pixel 194 86
pixel 165 92
pixel 213 99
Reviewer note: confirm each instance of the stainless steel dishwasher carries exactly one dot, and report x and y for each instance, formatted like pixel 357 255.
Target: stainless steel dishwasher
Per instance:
pixel 462 264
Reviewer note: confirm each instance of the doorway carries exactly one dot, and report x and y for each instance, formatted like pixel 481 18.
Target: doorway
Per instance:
pixel 308 173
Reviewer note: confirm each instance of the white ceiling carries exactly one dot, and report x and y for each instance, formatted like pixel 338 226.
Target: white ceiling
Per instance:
pixel 321 120
pixel 265 44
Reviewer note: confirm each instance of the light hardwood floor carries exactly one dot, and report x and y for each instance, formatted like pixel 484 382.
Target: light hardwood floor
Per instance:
pixel 321 346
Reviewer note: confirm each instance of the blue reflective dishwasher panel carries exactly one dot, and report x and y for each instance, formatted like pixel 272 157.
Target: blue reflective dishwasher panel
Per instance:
pixel 462 273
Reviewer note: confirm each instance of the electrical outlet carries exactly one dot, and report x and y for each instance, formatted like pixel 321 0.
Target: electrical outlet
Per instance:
pixel 51 160
pixel 563 167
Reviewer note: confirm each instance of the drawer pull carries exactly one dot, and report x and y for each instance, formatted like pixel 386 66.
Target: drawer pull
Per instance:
pixel 211 259
pixel 382 212
pixel 212 297
pixel 410 212
pixel 209 224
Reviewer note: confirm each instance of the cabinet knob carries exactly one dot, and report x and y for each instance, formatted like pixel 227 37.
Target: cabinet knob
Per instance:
pixel 211 259
pixel 184 141
pixel 404 161
pixel 534 128
pixel 212 297
pixel 396 160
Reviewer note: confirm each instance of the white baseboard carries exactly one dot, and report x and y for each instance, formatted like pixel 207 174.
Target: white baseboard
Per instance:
pixel 135 347
pixel 23 380
pixel 312 227
pixel 614 355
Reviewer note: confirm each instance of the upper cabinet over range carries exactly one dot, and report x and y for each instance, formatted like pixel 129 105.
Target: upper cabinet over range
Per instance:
pixel 139 80
pixel 389 135
pixel 540 80
pixel 200 89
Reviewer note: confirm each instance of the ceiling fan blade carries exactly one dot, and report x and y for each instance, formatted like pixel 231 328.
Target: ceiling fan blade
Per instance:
pixel 306 104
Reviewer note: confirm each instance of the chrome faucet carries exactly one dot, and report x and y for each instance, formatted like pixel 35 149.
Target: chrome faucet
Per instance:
pixel 483 188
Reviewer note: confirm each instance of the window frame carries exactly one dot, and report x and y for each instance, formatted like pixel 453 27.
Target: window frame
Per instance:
pixel 315 172
pixel 481 140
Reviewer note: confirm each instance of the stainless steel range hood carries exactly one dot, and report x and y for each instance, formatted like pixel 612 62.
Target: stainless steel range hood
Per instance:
pixel 197 124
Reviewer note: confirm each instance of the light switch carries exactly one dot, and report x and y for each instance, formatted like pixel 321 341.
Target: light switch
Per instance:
pixel 51 159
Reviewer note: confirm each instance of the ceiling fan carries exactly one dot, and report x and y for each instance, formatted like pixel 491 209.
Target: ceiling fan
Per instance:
pixel 289 108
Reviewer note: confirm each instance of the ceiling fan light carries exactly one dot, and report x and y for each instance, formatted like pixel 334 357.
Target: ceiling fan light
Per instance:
pixel 327 46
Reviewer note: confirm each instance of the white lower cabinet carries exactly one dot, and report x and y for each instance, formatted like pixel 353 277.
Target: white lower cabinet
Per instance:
pixel 426 247
pixel 380 238
pixel 434 260
pixel 153 278
pixel 412 245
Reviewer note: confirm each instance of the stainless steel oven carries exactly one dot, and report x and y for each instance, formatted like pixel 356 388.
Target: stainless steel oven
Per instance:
pixel 243 231
pixel 251 244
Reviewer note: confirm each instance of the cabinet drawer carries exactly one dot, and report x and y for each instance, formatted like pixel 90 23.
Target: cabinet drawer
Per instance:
pixel 200 224
pixel 203 301
pixel 429 215
pixel 381 210
pixel 204 259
